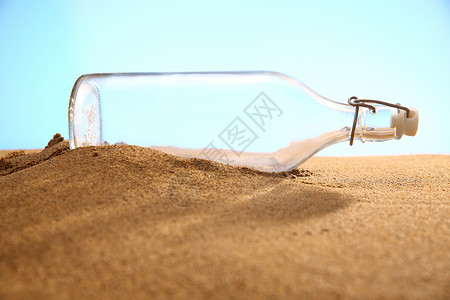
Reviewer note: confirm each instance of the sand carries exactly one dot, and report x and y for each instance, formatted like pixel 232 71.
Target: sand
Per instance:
pixel 131 222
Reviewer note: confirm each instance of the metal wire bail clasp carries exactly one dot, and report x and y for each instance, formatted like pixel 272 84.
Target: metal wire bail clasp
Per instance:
pixel 357 103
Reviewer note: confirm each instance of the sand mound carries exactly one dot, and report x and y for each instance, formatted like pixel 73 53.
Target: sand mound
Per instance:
pixel 18 160
pixel 125 221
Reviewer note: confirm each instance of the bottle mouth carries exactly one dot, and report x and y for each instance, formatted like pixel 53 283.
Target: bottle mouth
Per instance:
pixel 84 114
pixel 405 123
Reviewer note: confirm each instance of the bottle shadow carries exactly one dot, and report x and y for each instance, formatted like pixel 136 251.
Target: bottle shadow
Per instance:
pixel 282 204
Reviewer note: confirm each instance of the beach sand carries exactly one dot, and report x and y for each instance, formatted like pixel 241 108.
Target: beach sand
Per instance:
pixel 131 222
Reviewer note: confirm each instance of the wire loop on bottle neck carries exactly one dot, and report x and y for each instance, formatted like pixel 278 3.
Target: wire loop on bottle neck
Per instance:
pixel 357 103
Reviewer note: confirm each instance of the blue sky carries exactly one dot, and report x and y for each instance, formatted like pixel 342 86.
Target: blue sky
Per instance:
pixel 395 51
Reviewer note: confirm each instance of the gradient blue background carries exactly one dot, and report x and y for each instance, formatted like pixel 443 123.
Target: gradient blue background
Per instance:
pixel 389 50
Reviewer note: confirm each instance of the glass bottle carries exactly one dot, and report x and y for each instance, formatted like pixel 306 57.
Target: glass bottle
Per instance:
pixel 258 119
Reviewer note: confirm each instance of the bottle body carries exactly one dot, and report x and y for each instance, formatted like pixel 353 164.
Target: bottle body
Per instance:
pixel 263 120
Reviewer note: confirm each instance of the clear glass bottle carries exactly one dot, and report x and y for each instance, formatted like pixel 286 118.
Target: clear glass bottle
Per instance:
pixel 259 119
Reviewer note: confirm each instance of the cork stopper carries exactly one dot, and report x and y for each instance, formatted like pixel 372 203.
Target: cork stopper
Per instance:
pixel 405 125
pixel 412 122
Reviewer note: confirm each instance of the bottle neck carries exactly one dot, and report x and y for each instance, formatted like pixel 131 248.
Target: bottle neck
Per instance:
pixel 386 124
pixel 379 126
